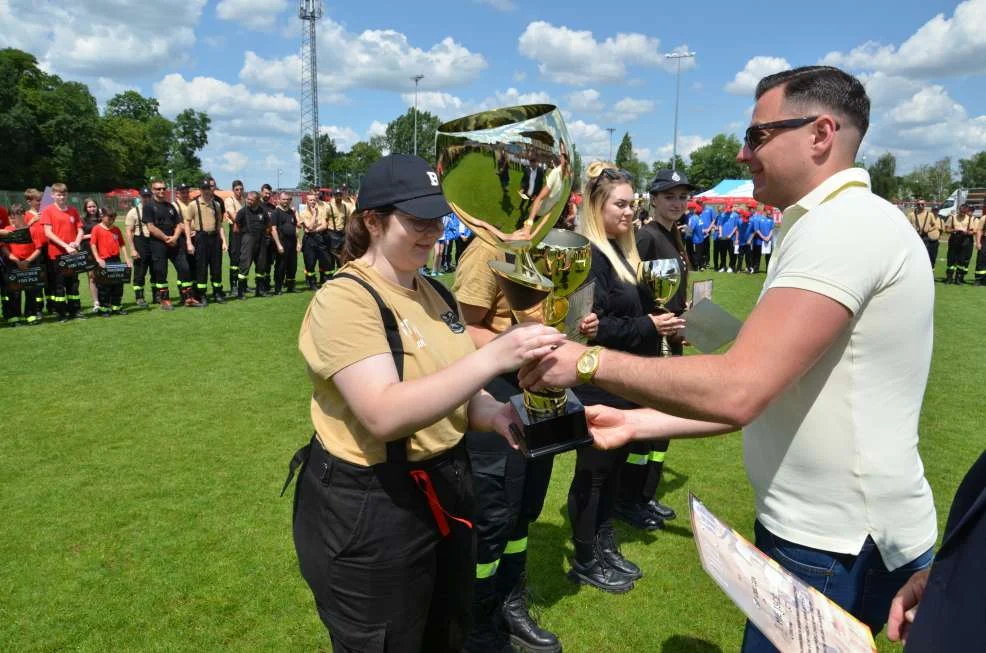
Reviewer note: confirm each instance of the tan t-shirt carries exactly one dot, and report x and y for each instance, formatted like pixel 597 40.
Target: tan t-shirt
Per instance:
pixel 183 210
pixel 201 216
pixel 475 284
pixel 960 222
pixel 233 207
pixel 338 214
pixel 343 326
pixel 926 223
pixel 312 220
pixel 132 221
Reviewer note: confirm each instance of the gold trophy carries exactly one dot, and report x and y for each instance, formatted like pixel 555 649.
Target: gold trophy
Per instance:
pixel 506 174
pixel 662 276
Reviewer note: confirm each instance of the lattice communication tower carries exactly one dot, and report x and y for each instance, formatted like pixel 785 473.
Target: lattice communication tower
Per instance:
pixel 310 12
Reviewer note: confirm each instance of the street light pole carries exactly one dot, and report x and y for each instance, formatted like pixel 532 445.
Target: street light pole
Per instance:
pixel 279 179
pixel 677 56
pixel 610 130
pixel 416 78
pixel 171 175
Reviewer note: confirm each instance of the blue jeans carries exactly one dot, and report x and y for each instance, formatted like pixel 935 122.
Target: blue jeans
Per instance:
pixel 859 583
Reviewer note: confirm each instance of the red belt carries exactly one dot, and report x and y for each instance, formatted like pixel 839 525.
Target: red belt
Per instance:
pixel 423 481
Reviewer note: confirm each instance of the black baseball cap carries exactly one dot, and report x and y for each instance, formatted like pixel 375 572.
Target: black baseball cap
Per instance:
pixel 146 192
pixel 405 182
pixel 205 183
pixel 667 179
pixel 183 186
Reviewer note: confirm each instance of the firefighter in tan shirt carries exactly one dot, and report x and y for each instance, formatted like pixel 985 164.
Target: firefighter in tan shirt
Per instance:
pixel 313 247
pixel 959 228
pixel 233 205
pixel 929 228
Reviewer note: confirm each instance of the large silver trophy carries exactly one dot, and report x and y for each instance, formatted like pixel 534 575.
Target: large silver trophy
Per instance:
pixel 507 174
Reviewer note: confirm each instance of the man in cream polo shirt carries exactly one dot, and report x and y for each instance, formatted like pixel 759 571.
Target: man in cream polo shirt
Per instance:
pixel 840 344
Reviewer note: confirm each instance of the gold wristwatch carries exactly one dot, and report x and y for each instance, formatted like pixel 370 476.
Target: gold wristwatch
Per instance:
pixel 587 364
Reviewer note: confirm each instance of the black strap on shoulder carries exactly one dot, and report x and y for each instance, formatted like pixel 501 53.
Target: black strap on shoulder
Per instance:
pixel 396 449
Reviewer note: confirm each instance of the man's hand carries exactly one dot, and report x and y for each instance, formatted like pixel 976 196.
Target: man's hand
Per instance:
pixel 171 240
pixel 190 248
pixel 555 370
pixel 225 247
pixel 280 249
pixel 609 427
pixel 22 264
pixel 589 326
pixel 102 263
pixel 70 248
pixel 134 254
pixel 299 246
pixel 904 607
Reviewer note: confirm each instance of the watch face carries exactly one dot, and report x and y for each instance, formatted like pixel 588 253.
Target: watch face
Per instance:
pixel 586 362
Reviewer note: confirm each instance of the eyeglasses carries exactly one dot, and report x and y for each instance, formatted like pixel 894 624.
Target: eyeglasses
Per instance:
pixel 757 135
pixel 419 225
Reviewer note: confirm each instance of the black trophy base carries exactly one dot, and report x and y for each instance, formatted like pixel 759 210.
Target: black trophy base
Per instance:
pixel 552 435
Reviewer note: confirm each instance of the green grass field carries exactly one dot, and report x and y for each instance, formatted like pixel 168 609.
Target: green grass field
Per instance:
pixel 142 457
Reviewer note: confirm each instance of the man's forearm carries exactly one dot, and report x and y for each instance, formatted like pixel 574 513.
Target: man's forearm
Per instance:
pixel 678 386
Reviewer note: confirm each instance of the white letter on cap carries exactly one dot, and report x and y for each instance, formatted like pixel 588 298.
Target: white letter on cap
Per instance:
pixel 434 178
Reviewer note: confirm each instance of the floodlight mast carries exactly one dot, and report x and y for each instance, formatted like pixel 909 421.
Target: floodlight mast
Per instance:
pixel 310 12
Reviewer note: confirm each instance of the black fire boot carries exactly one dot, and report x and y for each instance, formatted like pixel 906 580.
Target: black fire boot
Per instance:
pixel 960 279
pixel 486 636
pixel 524 631
pixel 241 287
pixel 664 512
pixel 600 575
pixel 609 551
pixel 139 297
pixel 949 275
pixel 310 281
pixel 289 285
pixel 258 282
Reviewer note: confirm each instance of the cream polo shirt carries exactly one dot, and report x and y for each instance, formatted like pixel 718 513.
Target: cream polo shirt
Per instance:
pixel 834 458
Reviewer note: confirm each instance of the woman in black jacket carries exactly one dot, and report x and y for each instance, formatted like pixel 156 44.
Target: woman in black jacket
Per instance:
pixel 625 323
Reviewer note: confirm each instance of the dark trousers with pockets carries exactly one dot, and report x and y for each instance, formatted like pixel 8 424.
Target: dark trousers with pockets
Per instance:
pixel 315 252
pixel 932 247
pixel 383 577
pixel 65 290
pixel 160 255
pixel 110 294
pixel 252 252
pixel 142 264
pixel 723 246
pixel 510 493
pixel 12 304
pixel 208 262
pixel 960 248
pixel 286 264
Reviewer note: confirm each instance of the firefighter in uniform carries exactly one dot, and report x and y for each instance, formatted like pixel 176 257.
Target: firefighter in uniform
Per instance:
pixel 185 243
pixel 510 489
pixel 337 214
pixel 165 226
pixel 929 227
pixel 382 507
pixel 139 238
pixel 268 203
pixel 313 250
pixel 959 228
pixel 980 226
pixel 233 205
pixel 205 222
pixel 253 223
pixel 284 231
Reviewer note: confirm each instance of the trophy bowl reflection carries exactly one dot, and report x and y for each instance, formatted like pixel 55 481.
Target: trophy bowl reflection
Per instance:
pixel 507 175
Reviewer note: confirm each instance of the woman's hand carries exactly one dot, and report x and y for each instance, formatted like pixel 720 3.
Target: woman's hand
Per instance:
pixel 505 422
pixel 609 427
pixel 521 344
pixel 668 324
pixel 589 326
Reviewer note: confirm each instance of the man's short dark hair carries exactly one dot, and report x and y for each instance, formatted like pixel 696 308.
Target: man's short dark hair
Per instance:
pixel 237 182
pixel 824 86
pixel 267 187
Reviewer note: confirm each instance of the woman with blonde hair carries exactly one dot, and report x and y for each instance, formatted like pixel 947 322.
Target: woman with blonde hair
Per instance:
pixel 625 323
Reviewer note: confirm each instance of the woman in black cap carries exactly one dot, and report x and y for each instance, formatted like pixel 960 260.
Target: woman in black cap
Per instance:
pixel 625 322
pixel 384 499
pixel 658 239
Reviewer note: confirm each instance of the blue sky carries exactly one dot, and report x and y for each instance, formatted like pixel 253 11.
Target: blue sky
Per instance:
pixel 923 63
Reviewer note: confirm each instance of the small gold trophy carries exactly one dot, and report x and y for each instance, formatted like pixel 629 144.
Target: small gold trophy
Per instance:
pixel 506 174
pixel 662 276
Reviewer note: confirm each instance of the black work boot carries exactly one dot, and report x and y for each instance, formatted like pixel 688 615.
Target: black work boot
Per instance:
pixel 486 636
pixel 660 510
pixel 960 278
pixel 949 274
pixel 289 285
pixel 310 282
pixel 259 287
pixel 637 515
pixel 139 297
pixel 241 287
pixel 609 551
pixel 600 575
pixel 524 631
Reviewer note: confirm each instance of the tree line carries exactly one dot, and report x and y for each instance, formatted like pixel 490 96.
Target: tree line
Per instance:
pixel 52 130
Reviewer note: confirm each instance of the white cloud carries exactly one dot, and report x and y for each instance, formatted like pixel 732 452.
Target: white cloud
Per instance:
pixel 568 56
pixel 520 76
pixel 234 162
pixel 942 47
pixel 745 82
pixel 252 14
pixel 102 38
pixel 687 144
pixel 586 101
pixel 344 137
pixel 591 140
pixel 499 5
pixel 377 128
pixel 629 109
pixel 644 154
pixel 105 88
pixel 929 105
pixel 378 59
pixel 443 105
pixel 218 98
pixel 447 106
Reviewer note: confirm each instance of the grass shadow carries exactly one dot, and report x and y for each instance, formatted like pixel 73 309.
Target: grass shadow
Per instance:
pixel 668 485
pixel 683 644
pixel 548 581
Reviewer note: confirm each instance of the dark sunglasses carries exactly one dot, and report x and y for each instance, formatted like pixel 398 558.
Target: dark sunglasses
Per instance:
pixel 757 135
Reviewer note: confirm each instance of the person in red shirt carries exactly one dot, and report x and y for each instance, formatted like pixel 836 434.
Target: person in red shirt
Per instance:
pixel 32 218
pixel 22 256
pixel 63 229
pixel 106 242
